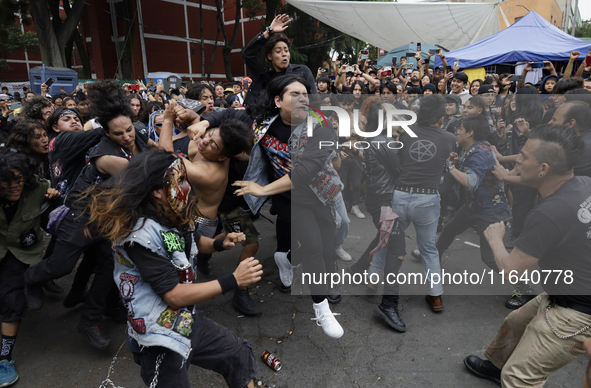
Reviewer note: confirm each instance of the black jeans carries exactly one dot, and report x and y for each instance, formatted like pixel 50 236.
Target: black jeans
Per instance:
pixel 449 198
pixel 213 347
pixel 70 243
pixel 460 223
pixel 523 201
pixel 313 228
pixel 351 175
pixel 282 207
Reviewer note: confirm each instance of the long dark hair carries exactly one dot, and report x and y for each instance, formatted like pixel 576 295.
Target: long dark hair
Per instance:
pixel 264 107
pixel 529 106
pixel 361 85
pixel 21 136
pixel 108 101
pixel 119 203
pixel 11 161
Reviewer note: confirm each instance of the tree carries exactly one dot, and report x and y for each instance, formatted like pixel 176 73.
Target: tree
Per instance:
pixel 584 30
pixel 12 38
pixel 54 34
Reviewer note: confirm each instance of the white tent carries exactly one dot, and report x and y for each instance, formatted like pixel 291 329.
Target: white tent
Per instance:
pixel 388 25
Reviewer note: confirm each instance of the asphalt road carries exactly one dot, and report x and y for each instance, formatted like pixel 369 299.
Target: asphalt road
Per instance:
pixel 49 353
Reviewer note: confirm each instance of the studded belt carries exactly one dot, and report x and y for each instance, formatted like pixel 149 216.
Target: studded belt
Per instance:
pixel 416 190
pixel 206 221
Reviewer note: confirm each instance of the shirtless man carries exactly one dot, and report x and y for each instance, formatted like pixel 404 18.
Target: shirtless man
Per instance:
pixel 207 171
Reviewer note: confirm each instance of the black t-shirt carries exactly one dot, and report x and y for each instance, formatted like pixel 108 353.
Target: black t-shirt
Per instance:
pixel 235 173
pixel 585 168
pixel 158 271
pixel 306 171
pixel 9 209
pixel 423 157
pixel 558 233
pixel 67 157
pixel 90 174
pixel 275 145
pixel 181 145
pixel 517 140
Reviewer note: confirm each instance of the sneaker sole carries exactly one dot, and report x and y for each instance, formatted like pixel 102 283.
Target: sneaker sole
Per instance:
pixel 482 376
pixel 394 326
pixel 9 383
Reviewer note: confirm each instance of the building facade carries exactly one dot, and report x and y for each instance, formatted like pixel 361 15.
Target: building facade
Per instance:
pixel 131 38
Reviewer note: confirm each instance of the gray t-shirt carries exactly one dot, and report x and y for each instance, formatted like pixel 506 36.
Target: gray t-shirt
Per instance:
pixel 423 157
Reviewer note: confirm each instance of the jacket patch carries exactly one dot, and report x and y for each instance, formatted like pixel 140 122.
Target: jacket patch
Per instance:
pixel 127 285
pixel 184 323
pixel 28 239
pixel 172 241
pixel 122 260
pixel 138 325
pixel 167 318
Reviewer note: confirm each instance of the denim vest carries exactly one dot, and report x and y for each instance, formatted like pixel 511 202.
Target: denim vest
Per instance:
pixel 151 322
pixel 488 196
pixel 258 166
pixel 326 185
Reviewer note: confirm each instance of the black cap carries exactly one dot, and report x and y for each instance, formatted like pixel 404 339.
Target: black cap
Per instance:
pixel 486 89
pixel 430 87
pixel 460 75
pixel 452 99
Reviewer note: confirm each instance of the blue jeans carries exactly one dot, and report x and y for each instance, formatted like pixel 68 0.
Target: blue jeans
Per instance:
pixel 343 222
pixel 423 211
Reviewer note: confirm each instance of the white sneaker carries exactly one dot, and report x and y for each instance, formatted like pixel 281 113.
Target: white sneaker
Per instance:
pixel 356 212
pixel 342 254
pixel 285 268
pixel 326 319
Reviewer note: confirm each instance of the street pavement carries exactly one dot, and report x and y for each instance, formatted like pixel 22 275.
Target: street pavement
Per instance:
pixel 49 353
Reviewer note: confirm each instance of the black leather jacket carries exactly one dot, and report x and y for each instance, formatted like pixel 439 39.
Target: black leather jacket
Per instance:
pixel 382 165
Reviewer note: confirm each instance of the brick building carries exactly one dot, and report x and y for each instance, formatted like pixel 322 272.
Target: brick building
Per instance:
pixel 164 36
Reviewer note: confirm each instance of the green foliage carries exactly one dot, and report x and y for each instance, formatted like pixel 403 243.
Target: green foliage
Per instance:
pixel 584 30
pixel 11 37
pixel 314 40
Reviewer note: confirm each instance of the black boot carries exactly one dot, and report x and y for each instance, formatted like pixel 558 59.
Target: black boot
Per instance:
pixel 52 288
pixel 94 335
pixel 388 310
pixel 35 297
pixel 203 264
pixel 244 303
pixel 483 369
pixel 74 298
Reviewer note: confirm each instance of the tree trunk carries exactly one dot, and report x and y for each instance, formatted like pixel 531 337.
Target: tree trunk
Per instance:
pixel 51 52
pixel 53 36
pixel 77 39
pixel 228 44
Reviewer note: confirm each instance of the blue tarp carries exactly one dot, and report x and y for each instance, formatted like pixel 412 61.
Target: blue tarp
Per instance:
pixel 530 39
pixel 400 52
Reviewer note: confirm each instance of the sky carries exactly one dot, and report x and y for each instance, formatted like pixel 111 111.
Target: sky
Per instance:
pixel 584 7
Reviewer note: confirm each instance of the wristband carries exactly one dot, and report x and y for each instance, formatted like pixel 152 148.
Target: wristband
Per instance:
pixel 449 166
pixel 218 245
pixel 269 30
pixel 228 282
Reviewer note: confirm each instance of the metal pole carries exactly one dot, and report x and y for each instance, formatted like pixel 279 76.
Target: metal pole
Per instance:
pixel 142 41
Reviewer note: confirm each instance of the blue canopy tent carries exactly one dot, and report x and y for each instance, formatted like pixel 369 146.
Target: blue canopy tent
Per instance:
pixel 400 52
pixel 530 39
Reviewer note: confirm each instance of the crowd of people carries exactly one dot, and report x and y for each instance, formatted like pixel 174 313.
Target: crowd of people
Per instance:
pixel 145 185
